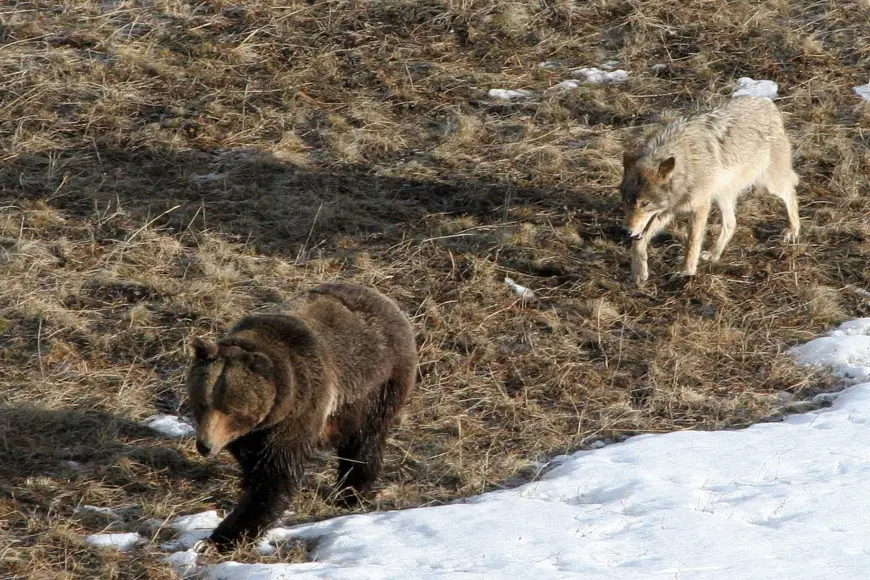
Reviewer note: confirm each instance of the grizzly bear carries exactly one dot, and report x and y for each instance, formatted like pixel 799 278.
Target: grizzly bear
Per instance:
pixel 333 370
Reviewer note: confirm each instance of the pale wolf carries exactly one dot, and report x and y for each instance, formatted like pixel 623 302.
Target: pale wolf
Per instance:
pixel 691 163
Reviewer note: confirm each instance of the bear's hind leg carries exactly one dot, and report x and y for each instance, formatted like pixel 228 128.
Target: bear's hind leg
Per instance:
pixel 361 454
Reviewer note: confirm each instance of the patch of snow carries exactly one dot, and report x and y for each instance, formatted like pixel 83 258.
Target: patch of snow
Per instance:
pixel 191 529
pixel 659 67
pixel 122 542
pixel 598 76
pixel 183 562
pixel 510 94
pixel 564 85
pixel 846 350
pixel 718 505
pixel 170 425
pixel 746 87
pixel 863 91
pixel 852 328
pixel 522 291
pixel 549 64
pixel 610 65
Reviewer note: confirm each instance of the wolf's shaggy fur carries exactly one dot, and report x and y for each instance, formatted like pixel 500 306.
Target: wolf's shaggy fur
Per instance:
pixel 335 369
pixel 710 158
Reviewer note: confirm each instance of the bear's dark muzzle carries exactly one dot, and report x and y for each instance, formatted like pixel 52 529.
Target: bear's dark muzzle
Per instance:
pixel 203 448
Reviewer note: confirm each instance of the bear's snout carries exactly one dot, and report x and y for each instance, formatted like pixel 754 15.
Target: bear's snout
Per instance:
pixel 203 448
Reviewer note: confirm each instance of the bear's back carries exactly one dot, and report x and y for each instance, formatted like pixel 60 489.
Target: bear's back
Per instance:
pixel 365 332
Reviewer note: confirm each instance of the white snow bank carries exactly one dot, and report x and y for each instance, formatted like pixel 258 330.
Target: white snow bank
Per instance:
pixel 863 91
pixel 775 500
pixel 122 542
pixel 170 425
pixel 510 94
pixel 746 87
pixel 598 76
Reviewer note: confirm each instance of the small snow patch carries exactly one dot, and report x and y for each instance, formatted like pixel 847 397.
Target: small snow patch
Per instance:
pixel 191 529
pixel 597 76
pixel 521 291
pixel 746 87
pixel 845 349
pixel 863 91
pixel 121 542
pixel 170 425
pixel 549 64
pixel 860 326
pixel 510 94
pixel 183 562
pixel 269 543
pixel 564 85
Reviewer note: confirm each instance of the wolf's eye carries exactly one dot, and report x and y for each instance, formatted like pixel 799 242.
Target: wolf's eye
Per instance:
pixel 645 203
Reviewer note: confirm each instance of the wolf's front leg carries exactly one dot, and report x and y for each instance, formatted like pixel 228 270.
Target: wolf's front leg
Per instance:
pixel 639 256
pixel 639 268
pixel 697 229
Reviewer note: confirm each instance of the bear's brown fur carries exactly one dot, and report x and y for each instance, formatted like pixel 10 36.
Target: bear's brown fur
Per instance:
pixel 335 369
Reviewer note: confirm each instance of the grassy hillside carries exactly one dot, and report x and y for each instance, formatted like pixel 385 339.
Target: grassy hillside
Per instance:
pixel 167 166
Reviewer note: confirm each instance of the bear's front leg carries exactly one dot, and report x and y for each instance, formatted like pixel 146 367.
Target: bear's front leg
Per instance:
pixel 258 508
pixel 268 486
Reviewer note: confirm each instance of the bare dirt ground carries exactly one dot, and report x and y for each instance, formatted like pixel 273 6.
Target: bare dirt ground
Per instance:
pixel 167 166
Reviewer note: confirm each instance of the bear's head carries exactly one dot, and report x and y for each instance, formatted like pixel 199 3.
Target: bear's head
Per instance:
pixel 232 391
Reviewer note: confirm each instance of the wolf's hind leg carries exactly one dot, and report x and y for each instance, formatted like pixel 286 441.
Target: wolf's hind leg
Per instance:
pixel 729 224
pixel 781 181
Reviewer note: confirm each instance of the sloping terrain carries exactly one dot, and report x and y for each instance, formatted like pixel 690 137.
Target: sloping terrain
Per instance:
pixel 167 166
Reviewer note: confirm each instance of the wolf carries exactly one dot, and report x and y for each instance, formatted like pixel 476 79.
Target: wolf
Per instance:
pixel 696 161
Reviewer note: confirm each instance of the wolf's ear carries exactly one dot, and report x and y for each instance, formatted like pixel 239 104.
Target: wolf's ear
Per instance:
pixel 259 363
pixel 629 158
pixel 204 349
pixel 666 166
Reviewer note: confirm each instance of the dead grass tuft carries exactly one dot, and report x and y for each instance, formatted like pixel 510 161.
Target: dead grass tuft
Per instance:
pixel 170 166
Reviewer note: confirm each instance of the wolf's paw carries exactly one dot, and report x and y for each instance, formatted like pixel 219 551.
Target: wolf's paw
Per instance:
pixel 709 256
pixel 638 278
pixel 683 275
pixel 790 236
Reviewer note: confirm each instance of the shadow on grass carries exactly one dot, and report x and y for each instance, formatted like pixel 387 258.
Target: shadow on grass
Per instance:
pixel 278 206
pixel 61 443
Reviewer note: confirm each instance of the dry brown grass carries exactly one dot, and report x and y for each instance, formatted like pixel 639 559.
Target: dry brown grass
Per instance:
pixel 168 166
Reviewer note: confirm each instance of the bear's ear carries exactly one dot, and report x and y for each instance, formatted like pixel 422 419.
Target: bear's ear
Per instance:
pixel 259 363
pixel 204 349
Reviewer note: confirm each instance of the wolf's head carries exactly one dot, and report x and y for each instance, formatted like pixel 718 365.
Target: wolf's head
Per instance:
pixel 231 390
pixel 645 190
